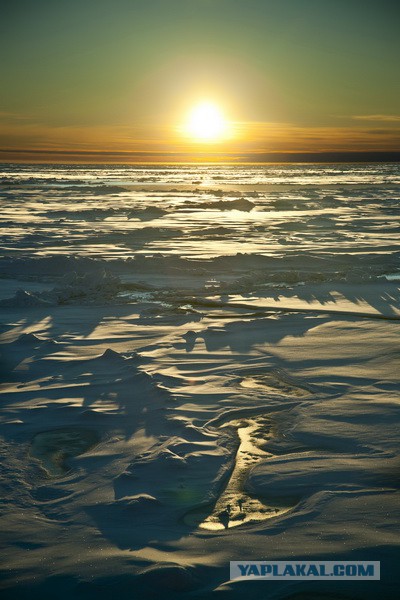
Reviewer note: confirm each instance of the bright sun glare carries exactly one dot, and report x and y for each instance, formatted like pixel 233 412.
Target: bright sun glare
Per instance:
pixel 206 123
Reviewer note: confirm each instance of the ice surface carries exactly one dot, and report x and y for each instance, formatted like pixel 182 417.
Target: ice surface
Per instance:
pixel 53 448
pixel 198 364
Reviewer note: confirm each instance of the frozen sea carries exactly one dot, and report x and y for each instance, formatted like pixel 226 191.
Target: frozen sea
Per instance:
pixel 199 364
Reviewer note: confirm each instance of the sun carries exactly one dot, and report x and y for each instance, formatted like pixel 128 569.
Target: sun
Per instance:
pixel 206 123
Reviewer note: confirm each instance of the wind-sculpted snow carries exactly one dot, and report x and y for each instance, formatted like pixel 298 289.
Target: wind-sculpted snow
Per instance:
pixel 198 364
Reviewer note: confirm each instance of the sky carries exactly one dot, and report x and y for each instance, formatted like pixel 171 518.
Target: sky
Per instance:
pixel 114 80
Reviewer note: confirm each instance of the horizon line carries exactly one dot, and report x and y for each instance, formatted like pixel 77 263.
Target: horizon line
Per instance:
pixel 25 156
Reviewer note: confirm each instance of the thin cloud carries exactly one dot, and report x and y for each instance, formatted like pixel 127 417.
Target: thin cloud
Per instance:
pixel 12 116
pixel 247 138
pixel 384 118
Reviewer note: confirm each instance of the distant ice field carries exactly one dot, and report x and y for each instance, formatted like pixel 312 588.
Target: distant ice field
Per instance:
pixel 286 221
pixel 235 233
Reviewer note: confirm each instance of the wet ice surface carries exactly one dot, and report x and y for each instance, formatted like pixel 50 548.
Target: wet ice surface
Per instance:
pixel 231 335
pixel 234 506
pixel 53 448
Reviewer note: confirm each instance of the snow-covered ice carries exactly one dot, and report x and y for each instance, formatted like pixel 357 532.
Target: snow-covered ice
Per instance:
pixel 194 373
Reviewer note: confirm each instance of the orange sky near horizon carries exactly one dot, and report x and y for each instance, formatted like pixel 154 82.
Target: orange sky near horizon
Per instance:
pixel 76 143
